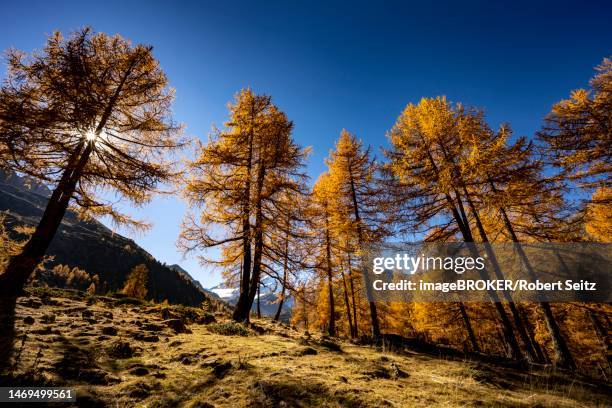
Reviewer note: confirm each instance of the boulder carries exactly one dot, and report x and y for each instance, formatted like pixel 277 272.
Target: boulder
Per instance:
pixel 121 349
pixel 307 351
pixel 47 318
pixel 152 327
pixel 177 325
pixel 139 371
pixel 220 370
pixel 206 318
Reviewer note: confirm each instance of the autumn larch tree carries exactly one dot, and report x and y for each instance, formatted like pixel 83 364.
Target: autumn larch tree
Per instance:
pixel 578 131
pixel 578 138
pixel 136 283
pixel 237 180
pixel 88 115
pixel 285 252
pixel 425 142
pixel 358 205
pixel 321 228
pixel 507 179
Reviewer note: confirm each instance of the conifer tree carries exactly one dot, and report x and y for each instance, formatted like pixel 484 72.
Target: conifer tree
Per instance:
pixel 238 180
pixel 321 221
pixel 358 207
pixel 285 252
pixel 88 115
pixel 424 179
pixel 136 283
pixel 578 131
pixel 578 138
pixel 508 179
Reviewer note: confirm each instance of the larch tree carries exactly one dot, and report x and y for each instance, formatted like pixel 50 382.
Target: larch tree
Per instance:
pixel 598 222
pixel 578 131
pixel 136 283
pixel 357 202
pixel 237 181
pixel 427 187
pixel 506 178
pixel 89 116
pixel 322 240
pixel 285 252
pixel 577 134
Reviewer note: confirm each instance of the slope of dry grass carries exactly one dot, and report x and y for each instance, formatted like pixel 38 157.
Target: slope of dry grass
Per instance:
pixel 122 355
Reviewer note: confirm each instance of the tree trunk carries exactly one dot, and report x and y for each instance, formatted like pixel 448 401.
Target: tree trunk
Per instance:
pixel 468 327
pixel 304 309
pixel 241 310
pixel 348 306
pixel 518 322
pixel 373 311
pixel 332 311
pixel 285 278
pixel 258 244
pixel 530 331
pixel 602 334
pixel 21 266
pixel 352 285
pixel 258 300
pixel 563 356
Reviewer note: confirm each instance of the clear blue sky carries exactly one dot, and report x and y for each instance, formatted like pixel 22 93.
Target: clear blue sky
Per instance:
pixel 334 65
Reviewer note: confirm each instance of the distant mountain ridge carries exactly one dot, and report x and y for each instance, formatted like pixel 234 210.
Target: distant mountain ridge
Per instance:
pixel 187 275
pixel 268 303
pixel 95 248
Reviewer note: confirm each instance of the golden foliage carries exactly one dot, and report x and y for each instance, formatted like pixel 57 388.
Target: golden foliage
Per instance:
pixel 136 283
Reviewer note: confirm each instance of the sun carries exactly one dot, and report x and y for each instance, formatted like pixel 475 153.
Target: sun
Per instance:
pixel 91 136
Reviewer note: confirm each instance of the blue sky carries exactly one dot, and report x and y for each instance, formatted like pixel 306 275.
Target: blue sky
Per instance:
pixel 333 65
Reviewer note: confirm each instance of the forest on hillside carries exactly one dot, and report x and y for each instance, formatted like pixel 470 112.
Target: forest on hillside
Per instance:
pixel 90 116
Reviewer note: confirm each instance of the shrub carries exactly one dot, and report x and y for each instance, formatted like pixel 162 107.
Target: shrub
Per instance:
pixel 229 329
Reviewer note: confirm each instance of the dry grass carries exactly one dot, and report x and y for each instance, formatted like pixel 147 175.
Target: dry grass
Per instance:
pixel 279 368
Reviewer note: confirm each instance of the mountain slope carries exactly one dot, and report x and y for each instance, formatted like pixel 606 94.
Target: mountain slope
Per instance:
pixel 119 355
pixel 93 247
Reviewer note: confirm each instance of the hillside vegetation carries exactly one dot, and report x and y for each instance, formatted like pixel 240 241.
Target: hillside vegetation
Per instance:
pixel 122 352
pixel 83 244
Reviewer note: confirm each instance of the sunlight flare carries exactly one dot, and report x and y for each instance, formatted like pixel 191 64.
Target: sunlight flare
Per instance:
pixel 91 136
